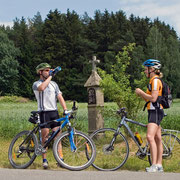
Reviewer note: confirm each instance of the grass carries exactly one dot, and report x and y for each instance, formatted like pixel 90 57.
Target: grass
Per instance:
pixel 14 118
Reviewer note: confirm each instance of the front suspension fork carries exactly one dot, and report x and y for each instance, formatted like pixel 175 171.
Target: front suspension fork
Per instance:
pixel 71 139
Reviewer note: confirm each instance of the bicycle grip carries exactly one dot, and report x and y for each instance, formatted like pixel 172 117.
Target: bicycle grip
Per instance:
pixel 74 105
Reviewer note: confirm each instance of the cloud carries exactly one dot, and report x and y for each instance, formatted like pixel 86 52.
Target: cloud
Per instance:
pixel 166 11
pixel 7 24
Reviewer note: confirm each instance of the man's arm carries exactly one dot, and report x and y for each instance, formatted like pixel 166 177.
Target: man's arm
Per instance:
pixel 62 101
pixel 44 84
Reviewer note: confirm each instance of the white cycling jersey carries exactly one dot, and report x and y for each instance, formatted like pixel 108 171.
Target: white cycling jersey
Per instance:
pixel 47 99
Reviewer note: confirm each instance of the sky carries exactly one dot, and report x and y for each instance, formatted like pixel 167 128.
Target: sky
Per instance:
pixel 165 10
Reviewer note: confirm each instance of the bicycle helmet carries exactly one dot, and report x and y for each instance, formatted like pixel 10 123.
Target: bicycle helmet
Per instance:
pixel 42 66
pixel 152 63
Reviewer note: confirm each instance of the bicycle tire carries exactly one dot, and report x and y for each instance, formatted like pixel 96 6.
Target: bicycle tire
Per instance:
pixel 169 154
pixel 22 154
pixel 113 159
pixel 82 158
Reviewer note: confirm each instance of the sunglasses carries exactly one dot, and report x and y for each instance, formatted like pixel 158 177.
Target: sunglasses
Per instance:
pixel 47 70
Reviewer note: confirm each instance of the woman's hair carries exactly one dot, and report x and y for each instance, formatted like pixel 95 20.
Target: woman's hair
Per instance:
pixel 159 73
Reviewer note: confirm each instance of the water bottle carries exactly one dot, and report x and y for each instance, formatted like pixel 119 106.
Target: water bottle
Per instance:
pixel 53 73
pixel 138 138
pixel 57 69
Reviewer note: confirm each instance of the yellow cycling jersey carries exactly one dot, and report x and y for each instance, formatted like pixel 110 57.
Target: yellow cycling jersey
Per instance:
pixel 155 84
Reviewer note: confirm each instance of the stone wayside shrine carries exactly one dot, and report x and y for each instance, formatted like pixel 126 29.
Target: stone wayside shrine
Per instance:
pixel 95 99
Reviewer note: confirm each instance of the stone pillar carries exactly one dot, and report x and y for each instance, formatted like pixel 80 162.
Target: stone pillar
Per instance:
pixel 95 100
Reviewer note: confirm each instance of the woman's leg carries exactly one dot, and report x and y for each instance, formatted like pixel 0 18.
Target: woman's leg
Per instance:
pixel 159 146
pixel 151 132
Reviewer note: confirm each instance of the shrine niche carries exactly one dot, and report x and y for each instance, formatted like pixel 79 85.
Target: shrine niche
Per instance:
pixel 91 96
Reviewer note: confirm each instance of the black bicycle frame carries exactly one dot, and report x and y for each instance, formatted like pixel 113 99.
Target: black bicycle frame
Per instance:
pixel 54 133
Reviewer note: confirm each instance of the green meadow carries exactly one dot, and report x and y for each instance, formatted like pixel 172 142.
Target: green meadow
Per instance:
pixel 14 116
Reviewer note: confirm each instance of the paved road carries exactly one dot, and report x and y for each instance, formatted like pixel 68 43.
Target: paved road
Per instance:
pixel 27 174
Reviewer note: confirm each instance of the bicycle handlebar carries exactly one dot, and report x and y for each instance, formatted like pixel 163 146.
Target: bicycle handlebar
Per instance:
pixel 122 111
pixel 74 108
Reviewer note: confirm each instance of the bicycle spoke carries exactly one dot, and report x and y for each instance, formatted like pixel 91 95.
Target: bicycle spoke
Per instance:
pixel 109 157
pixel 171 151
pixel 22 150
pixel 78 159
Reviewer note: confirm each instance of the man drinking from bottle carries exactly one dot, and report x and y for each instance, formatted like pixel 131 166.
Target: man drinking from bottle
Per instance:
pixel 47 93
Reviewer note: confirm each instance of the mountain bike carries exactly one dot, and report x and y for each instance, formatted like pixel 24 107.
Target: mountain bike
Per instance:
pixel 112 148
pixel 72 149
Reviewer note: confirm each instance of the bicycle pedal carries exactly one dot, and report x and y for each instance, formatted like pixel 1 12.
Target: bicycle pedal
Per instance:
pixel 140 155
pixel 43 150
pixel 40 150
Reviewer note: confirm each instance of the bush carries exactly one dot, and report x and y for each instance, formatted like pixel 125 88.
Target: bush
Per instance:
pixel 116 85
pixel 14 99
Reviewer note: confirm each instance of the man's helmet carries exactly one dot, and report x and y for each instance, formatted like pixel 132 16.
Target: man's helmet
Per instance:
pixel 152 63
pixel 42 66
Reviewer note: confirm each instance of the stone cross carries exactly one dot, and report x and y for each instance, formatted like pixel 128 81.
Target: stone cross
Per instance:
pixel 94 61
pixel 95 99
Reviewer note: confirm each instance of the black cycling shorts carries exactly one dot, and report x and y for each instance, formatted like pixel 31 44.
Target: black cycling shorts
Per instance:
pixel 155 116
pixel 47 116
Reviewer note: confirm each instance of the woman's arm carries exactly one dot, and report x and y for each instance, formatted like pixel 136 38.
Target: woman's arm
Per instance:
pixel 153 97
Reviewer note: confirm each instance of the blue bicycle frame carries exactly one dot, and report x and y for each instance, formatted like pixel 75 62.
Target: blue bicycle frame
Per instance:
pixel 70 130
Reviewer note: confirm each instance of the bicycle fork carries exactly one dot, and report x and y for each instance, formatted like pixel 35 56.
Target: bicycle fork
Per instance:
pixel 111 145
pixel 71 138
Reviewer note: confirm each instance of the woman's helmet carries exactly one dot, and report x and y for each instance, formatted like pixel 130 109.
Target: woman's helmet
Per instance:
pixel 42 66
pixel 152 63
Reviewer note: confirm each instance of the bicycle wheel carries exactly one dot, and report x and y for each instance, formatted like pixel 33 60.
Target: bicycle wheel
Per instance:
pixel 171 150
pixel 21 152
pixel 109 157
pixel 79 159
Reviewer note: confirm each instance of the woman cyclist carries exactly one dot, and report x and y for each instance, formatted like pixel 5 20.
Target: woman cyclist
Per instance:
pixel 155 112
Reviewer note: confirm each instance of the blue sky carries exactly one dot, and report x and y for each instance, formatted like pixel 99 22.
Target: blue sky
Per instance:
pixel 165 10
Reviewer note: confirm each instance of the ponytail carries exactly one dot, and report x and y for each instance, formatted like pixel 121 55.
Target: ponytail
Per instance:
pixel 159 73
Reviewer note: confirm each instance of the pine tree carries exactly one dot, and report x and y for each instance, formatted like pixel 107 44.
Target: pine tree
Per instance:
pixel 8 66
pixel 23 40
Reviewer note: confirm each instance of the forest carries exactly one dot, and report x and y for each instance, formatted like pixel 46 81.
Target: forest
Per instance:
pixel 69 40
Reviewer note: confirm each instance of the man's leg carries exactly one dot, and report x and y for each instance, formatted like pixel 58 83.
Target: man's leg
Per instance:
pixel 60 146
pixel 44 133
